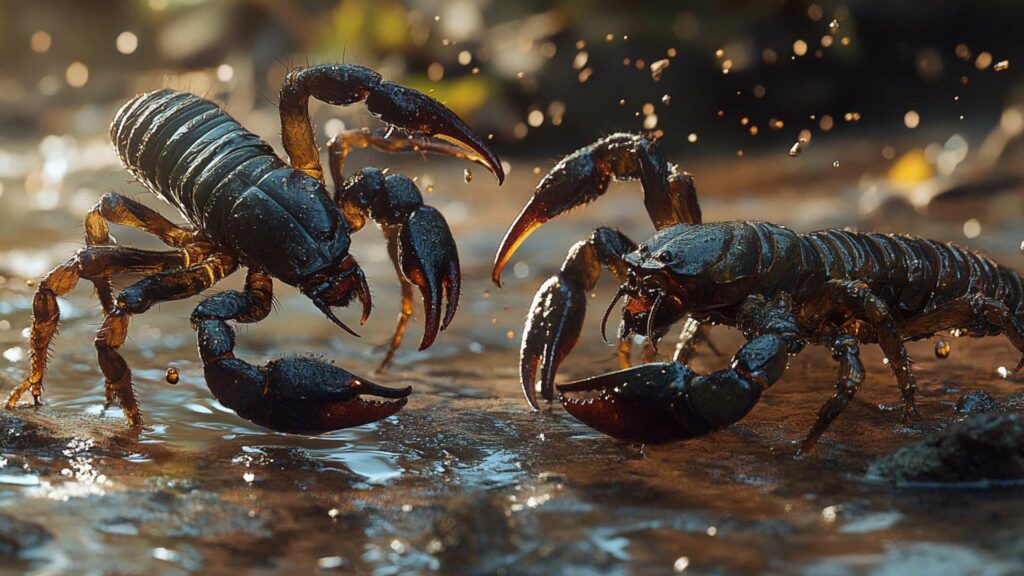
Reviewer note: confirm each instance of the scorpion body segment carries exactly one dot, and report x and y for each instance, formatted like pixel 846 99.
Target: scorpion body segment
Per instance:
pixel 246 207
pixel 229 183
pixel 782 289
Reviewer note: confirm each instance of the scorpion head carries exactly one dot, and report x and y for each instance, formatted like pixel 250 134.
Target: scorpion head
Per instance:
pixel 337 285
pixel 686 268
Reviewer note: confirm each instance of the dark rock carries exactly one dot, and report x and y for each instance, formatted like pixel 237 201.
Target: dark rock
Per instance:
pixel 1015 401
pixel 983 447
pixel 471 533
pixel 19 536
pixel 976 402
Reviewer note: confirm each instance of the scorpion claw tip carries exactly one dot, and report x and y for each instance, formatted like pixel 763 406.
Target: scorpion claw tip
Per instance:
pixel 634 405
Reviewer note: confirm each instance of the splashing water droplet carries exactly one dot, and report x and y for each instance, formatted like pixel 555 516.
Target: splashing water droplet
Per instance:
pixel 658 68
pixel 942 349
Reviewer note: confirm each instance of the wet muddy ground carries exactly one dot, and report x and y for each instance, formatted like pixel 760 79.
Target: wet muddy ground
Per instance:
pixel 466 478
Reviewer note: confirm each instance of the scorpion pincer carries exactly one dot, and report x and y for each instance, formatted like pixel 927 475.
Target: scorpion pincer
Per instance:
pixel 246 207
pixel 782 289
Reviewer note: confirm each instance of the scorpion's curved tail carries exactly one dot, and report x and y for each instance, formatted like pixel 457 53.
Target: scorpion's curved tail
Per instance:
pixel 297 394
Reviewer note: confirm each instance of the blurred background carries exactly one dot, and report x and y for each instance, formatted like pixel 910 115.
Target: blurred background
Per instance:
pixel 898 116
pixel 925 84
pixel 542 77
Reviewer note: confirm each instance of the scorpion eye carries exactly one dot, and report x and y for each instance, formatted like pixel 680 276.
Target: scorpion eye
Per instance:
pixel 665 257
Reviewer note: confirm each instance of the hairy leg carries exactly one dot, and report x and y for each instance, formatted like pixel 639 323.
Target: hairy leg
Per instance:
pixel 136 299
pixel 90 263
pixel 405 310
pixel 846 351
pixel 979 315
pixel 855 297
pixel 117 209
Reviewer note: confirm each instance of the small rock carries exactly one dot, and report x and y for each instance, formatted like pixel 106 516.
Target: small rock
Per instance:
pixel 19 536
pixel 473 530
pixel 976 402
pixel 983 447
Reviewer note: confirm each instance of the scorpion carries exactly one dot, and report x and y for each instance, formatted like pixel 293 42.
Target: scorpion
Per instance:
pixel 781 289
pixel 246 207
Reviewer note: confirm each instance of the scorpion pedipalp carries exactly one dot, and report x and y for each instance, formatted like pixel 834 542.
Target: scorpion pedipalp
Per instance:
pixel 584 175
pixel 415 111
pixel 430 260
pixel 640 404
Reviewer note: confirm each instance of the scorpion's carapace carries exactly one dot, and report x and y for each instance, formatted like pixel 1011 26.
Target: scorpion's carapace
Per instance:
pixel 247 207
pixel 783 290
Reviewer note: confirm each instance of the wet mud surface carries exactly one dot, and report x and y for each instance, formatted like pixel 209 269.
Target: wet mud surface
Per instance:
pixel 466 479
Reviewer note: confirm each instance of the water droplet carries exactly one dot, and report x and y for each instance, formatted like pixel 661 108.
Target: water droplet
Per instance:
pixel 797 149
pixel 658 68
pixel 467 175
pixel 833 26
pixel 835 164
pixel 172 376
pixel 830 513
pixel 681 564
pixel 1001 65
pixel 911 119
pixel 1003 372
pixel 972 228
pixel 942 349
pixel 330 562
pixel 248 477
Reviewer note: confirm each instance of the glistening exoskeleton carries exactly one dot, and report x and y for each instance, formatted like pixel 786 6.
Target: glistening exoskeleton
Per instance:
pixel 246 207
pixel 782 289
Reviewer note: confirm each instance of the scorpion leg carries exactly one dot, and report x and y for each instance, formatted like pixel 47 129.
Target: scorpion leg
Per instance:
pixel 666 401
pixel 118 209
pixel 405 309
pixel 339 147
pixel 297 394
pixel 90 263
pixel 426 252
pixel 858 299
pixel 346 84
pixel 581 177
pixel 136 299
pixel 979 314
pixel 846 351
pixel 555 318
pixel 691 337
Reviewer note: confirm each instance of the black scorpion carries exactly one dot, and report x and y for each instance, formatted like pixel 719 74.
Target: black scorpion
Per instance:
pixel 247 207
pixel 781 289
